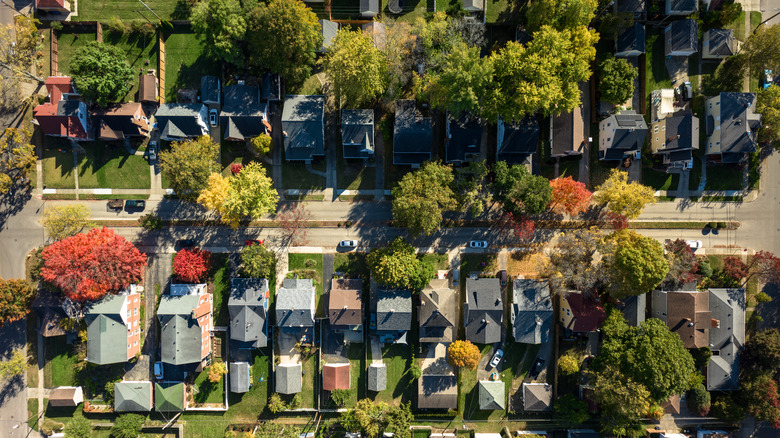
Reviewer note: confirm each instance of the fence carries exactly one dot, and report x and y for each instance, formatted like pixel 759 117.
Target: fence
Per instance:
pixel 161 66
pixel 54 52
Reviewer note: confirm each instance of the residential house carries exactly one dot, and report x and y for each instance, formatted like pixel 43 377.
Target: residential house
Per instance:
pixel 186 321
pixel 492 395
pixel 634 309
pixel 436 391
pixel 377 377
pixel 170 397
pixel 295 305
pixel 149 88
pixel 63 115
pixel 113 327
pixel 270 87
pixel 120 121
pixel 484 310
pixel 180 121
pixel 681 7
pixel 210 90
pixel 133 396
pixel 303 125
pixel 248 307
pixel 357 133
pixel 681 37
pixel 438 312
pixel 732 124
pixel 289 378
pixel 53 9
pixel 675 138
pixel 345 308
pixel 377 32
pixel 537 397
pixel 66 396
pixel 719 44
pixel 517 142
pixel 473 5
pixel 567 134
pixel 621 135
pixel 636 7
pixel 412 134
pixel 243 117
pixel 51 308
pixel 369 8
pixel 631 42
pixel 335 376
pixel 532 311
pixel 239 377
pixel 329 31
pixel 581 314
pixel 685 313
pixel 393 315
pixel 464 136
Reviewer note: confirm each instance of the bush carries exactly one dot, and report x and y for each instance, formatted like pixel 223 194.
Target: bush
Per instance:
pixel 191 265
pixel 713 225
pixel 699 400
pixel 78 427
pixel 257 261
pixel 415 371
pixel 117 26
pixel 701 356
pixel 150 222
pixel 276 404
pixel 723 225
pixel 725 408
pixel 310 263
pixel 261 144
pixel 56 26
pixel 763 297
pixel 127 426
pixel 705 268
pixel 296 402
pixel 235 168
pixel 340 396
pixel 216 371
pixel 50 426
pixel 568 365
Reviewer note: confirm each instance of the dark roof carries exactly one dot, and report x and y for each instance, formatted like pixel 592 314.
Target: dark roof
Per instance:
pixel 247 305
pixel 345 306
pixel 634 309
pixel 118 121
pixel 377 377
pixel 681 5
pixel 181 337
pixel 335 376
pixel 438 313
pixel 684 35
pixel 209 89
pixel 289 378
pixel 587 313
pixel 437 392
pixel 517 141
pixel 465 136
pixel 568 135
pixel 295 303
pixel 394 310
pixel 357 133
pixel 620 134
pixel 633 39
pixel 738 124
pixel 412 134
pixel 532 311
pixel 271 87
pixel 721 42
pixel 106 330
pixel 369 8
pixel 49 307
pixel 179 119
pixel 239 377
pixel 537 397
pixel 304 126
pixel 635 6
pixel 243 122
pixel 680 133
pixel 484 310
pixel 241 95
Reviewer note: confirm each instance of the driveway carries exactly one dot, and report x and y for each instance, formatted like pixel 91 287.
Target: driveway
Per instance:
pixel 287 352
pixel 435 360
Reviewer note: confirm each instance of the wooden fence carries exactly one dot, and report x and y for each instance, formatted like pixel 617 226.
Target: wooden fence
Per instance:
pixel 161 69
pixel 54 51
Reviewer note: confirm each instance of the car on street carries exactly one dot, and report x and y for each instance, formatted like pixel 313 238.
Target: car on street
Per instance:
pixel 137 204
pixel 213 117
pixel 185 243
pixel 477 244
pixel 536 368
pixel 694 244
pixel 158 370
pixel 497 358
pixel 250 242
pixel 116 204
pixel 348 244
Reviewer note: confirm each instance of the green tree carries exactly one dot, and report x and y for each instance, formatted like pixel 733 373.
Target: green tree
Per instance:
pixel 571 410
pixel 471 187
pixel 399 420
pixel 616 80
pixel 634 264
pixel 520 192
pixel 101 73
pixel 367 416
pixel 699 400
pixel 560 14
pixel 283 36
pixel 276 404
pixel 222 26
pixel 16 297
pixel 248 193
pixel 261 144
pixel 257 261
pixel 356 68
pixel 61 221
pixel 623 197
pixel 398 49
pixel 78 427
pixel 188 165
pixel 127 426
pixel 768 105
pixel 621 401
pixel 762 49
pixel 762 352
pixel 398 265
pixel 462 81
pixel 422 196
pixel 14 366
pixel 17 155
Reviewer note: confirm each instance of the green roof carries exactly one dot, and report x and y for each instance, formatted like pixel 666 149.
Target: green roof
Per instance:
pixel 169 397
pixel 491 395
pixel 106 331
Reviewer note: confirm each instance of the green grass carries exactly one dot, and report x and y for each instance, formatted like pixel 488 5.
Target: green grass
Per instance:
pixel 248 406
pixel 311 86
pixel 102 10
pixel 353 175
pixel 185 63
pixel 68 43
pixel 478 262
pixel 755 19
pixel 59 369
pixel 400 384
pixel 209 392
pixel 109 166
pixel 141 53
pixel 660 180
pixel 723 178
pixel 412 10
pixel 32 413
pixel 352 264
pixel 439 261
pixel 468 397
pixel 501 11
pixel 309 266
pixel 58 169
pixel 656 76
pixel 739 26
pixel 693 71
pixel 308 394
pixel 221 272
pixel 295 176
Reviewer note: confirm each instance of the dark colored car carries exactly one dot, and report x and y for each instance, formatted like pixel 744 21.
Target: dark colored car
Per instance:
pixel 536 368
pixel 115 204
pixel 502 276
pixel 139 204
pixel 184 243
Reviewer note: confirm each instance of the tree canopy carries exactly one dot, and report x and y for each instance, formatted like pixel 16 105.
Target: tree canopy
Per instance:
pixel 127 426
pixel 17 156
pixel 61 221
pixel 250 193
pixel 762 352
pixel 368 417
pixel 472 188
pixel 633 264
pixel 569 196
pixel 19 46
pixel 520 192
pixel 422 196
pixel 621 401
pixel 222 26
pixel 16 297
pixel 398 265
pixel 560 14
pixel 191 265
pixel 683 264
pixel 616 80
pixel 101 73
pixel 462 81
pixel 257 261
pixel 570 265
pixel 463 354
pixel 762 49
pixel 623 197
pixel 768 105
pixel 356 68
pixel 188 165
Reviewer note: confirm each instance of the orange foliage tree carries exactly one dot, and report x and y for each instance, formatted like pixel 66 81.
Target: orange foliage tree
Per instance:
pixel 569 196
pixel 464 354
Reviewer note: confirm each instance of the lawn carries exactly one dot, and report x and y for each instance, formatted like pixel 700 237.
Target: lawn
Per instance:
pixel 248 406
pixel 311 86
pixel 739 26
pixel 185 63
pixel 660 180
pixel 141 53
pixel 310 372
pixel 486 263
pixel 357 370
pixel 656 75
pixel 354 175
pixel 308 266
pixel 67 45
pixel 102 10
pixel 502 11
pixel 295 176
pixel 109 166
pixel 59 369
pixel 468 394
pixel 397 359
pixel 58 169
pixel 221 283
pixel 352 264
pixel 755 19
pixel 413 9
pixel 439 261
pixel 695 177
pixel 207 391
pixel 721 177
pixel 236 152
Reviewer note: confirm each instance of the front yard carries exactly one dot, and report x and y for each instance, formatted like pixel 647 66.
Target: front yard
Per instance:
pixel 296 176
pixel 107 165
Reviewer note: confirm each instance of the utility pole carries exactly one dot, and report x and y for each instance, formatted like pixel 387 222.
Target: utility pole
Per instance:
pixel 150 10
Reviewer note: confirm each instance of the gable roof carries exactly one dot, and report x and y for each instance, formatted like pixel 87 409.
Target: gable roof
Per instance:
pixel 437 392
pixel 106 330
pixel 634 308
pixel 532 311
pixel 635 6
pixel 241 95
pixel 537 397
pixel 685 313
pixel 738 126
pixel 345 306
pixel 438 312
pixel 491 395
pixel 131 396
pixel 295 303
pixel 119 121
pixel 180 119
pixel 377 377
pixel 567 132
pixel 247 305
pixel 357 132
pixel 464 136
pixel 394 309
pixel 148 90
pixel 587 314
pixel 683 35
pixel 209 89
pixel 721 41
pixel 681 5
pixel 66 396
pixel 289 378
pixel 484 310
pixel 239 377
pixel 369 8
pixel 169 397
pixel 412 134
pixel 620 134
pixel 517 141
pixel 180 335
pixel 726 338
pixel 676 133
pixel 631 40
pixel 304 126
pixel 335 376
pixel 64 118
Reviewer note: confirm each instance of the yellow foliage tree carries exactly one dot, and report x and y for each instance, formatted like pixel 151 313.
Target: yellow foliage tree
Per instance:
pixel 216 371
pixel 17 157
pixel 464 354
pixel 261 144
pixel 623 197
pixel 249 193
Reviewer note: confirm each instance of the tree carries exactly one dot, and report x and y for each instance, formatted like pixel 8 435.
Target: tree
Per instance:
pixel 367 416
pixel 568 364
pixel 762 49
pixel 634 264
pixel 623 197
pixel 621 401
pixel 283 36
pixel 568 196
pixel 762 352
pixel 356 68
pixel 571 410
pixel 101 73
pixel 78 427
pixel 734 270
pixel 422 196
pixel 399 420
pixel 520 192
pixel 247 193
pixel 462 81
pixel 759 394
pixel 191 265
pixel 88 266
pixel 261 145
pixel 61 221
pixel 765 266
pixel 222 26
pixel 16 297
pixel 293 221
pixel 650 355
pixel 397 265
pixel 699 400
pixel 276 404
pixel 571 264
pixel 14 366
pixel 257 261
pixel 463 354
pixel 415 371
pixel 216 371
pixel 17 155
pixel 768 105
pixel 19 44
pixel 701 356
pixel 127 426
pixel 471 187
pixel 617 77
pixel 339 396
pixel 683 264
pixel 560 14
pixel 188 165
pixel 398 49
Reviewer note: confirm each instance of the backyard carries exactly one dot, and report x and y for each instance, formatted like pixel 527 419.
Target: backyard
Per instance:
pixel 221 287
pixel 102 10
pixel 397 359
pixel 308 266
pixel 656 76
pixel 206 391
pixel 185 63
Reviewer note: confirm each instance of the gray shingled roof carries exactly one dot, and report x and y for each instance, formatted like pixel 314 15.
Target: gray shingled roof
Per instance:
pixel 632 39
pixel 295 303
pixel 180 338
pixel 133 396
pixel 241 95
pixel 412 134
pixel 620 134
pixel 738 126
pixel 357 133
pixel 179 119
pixel 169 397
pixel 377 377
pixel 721 42
pixel 634 309
pixel 289 378
pixel 247 307
pixel 518 141
pixel 243 123
pixel 394 310
pixel 727 306
pixel 491 395
pixel 683 36
pixel 304 127
pixel 484 310
pixel 329 30
pixel 532 311
pixel 239 377
pixel 438 314
pixel 106 331
pixel 209 89
pixel 635 6
pixel 464 137
pixel 537 397
pixel 681 5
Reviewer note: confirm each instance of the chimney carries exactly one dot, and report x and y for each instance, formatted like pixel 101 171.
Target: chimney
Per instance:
pixel 715 323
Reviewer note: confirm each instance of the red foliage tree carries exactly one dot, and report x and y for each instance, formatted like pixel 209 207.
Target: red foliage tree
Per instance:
pixel 766 266
pixel 293 222
pixel 88 266
pixel 569 196
pixel 735 268
pixel 614 220
pixel 762 399
pixel 191 265
pixel 236 167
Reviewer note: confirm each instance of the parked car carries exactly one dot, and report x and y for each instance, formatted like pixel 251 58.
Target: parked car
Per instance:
pixel 184 243
pixel 116 204
pixel 536 368
pixel 455 277
pixel 687 91
pixel 478 244
pixel 767 79
pixel 152 150
pixel 158 370
pixel 349 244
pixel 502 276
pixel 213 117
pixel 497 358
pixel 250 242
pixel 138 204
pixel 694 244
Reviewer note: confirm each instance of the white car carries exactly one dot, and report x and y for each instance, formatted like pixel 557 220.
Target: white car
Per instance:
pixel 497 358
pixel 348 244
pixel 478 244
pixel 158 370
pixel 694 244
pixel 213 116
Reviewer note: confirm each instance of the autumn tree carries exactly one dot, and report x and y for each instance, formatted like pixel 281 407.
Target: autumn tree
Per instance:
pixel 249 193
pixel 283 36
pixel 293 223
pixel 16 297
pixel 88 266
pixel 765 266
pixel 623 197
pixel 422 196
pixel 683 264
pixel 568 364
pixel 14 366
pixel 568 196
pixel 621 401
pixel 61 221
pixel 759 394
pixel 257 261
pixel 261 145
pixel 463 354
pixel 633 264
pixel 191 265
pixel 221 24
pixel 762 352
pixel 216 371
pixel 367 417
pixel 17 157
pixel 399 420
pixel 616 80
pixel 515 227
pixel 188 164
pixel 733 272
pixel 560 14
pixel 397 47
pixel 471 187
pixel 101 73
pixel 699 400
pixel 19 45
pixel 397 265
pixel 571 410
pixel 768 105
pixel 518 191
pixel 460 84
pixel 356 68
pixel 571 263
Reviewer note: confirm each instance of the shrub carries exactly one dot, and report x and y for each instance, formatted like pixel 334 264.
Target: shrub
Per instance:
pixel 705 268
pixel 655 412
pixel 700 400
pixel 216 371
pixel 261 144
pixel 56 26
pixel 713 225
pixel 701 356
pixel 763 297
pixel 568 365
pixel 127 426
pixel 310 263
pixel 723 225
pixel 50 426
pixel 117 26
pixel 415 371
pixel 236 168
pixel 296 402
pixel 340 396
pixel 78 427
pixel 150 222
pixel 276 404
pixel 725 408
